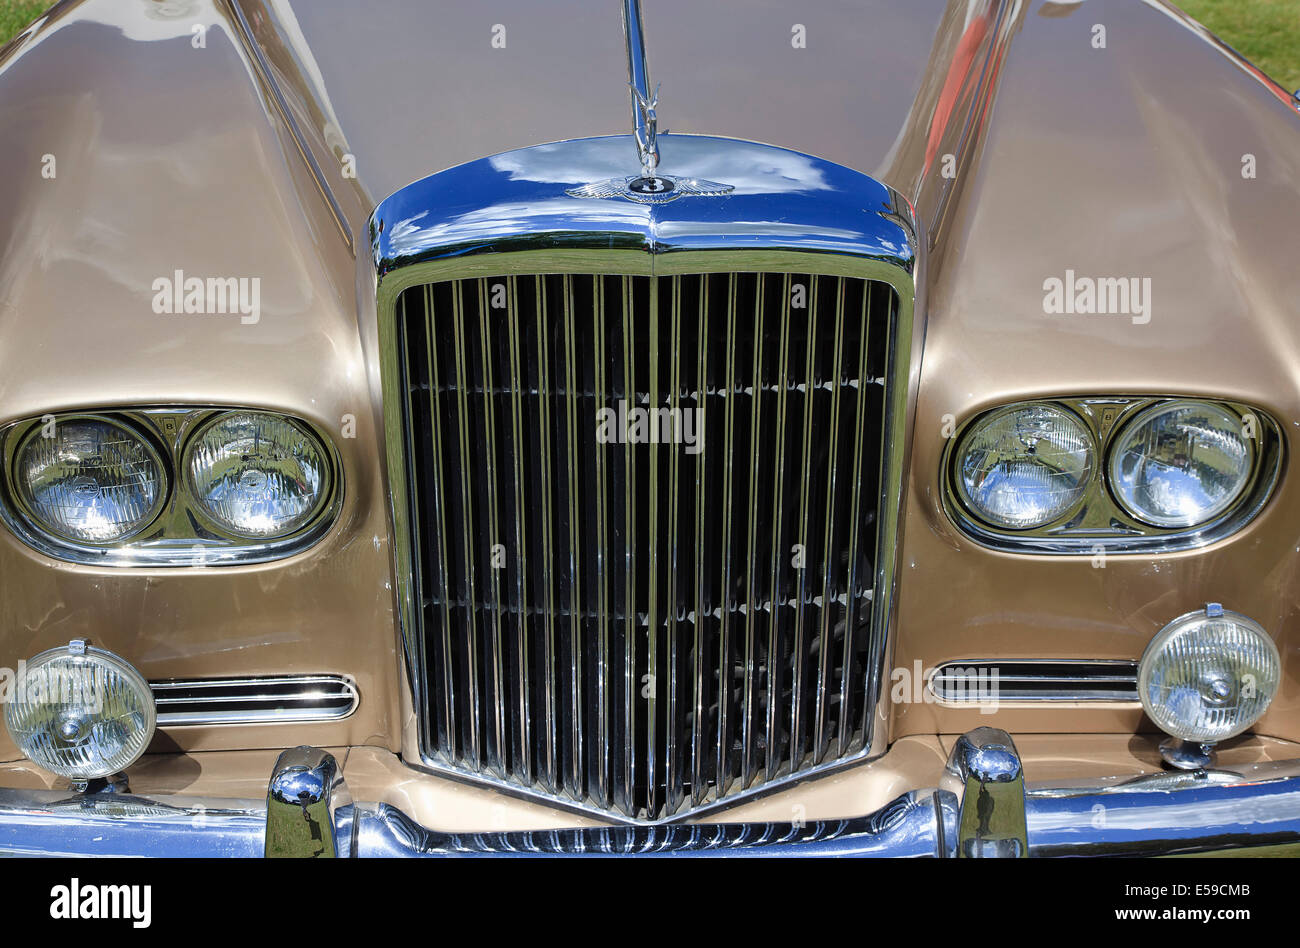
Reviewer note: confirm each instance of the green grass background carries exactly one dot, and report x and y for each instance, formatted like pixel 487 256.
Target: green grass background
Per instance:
pixel 1265 31
pixel 15 14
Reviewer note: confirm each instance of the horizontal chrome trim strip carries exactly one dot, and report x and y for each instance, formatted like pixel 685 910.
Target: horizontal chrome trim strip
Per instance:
pixel 985 681
pixel 60 823
pixel 284 699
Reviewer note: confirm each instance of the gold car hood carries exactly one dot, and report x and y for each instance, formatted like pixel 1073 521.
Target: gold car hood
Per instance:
pixel 173 151
pixel 413 88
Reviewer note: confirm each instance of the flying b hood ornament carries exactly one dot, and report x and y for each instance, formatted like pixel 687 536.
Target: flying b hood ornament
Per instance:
pixel 648 187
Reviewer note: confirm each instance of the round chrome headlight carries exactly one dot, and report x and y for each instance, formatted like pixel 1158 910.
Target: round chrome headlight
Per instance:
pixel 81 712
pixel 89 480
pixel 1208 675
pixel 257 475
pixel 1181 463
pixel 1024 466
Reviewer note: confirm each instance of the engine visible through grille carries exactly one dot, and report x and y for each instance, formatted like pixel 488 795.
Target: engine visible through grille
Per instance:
pixel 644 529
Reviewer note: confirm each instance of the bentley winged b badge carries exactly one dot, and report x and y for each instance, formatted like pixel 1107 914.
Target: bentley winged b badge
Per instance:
pixel 649 187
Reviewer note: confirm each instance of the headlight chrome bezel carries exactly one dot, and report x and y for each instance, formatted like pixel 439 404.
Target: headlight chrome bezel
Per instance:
pixel 180 534
pixel 1101 523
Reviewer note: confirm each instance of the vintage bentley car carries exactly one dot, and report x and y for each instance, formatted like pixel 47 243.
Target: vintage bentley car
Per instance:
pixel 424 432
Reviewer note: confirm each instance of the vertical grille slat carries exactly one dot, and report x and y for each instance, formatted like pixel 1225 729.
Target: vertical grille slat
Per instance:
pixel 650 690
pixel 777 653
pixel 551 718
pixel 701 612
pixel 520 660
pixel 576 709
pixel 612 617
pixel 446 656
pixel 495 744
pixel 469 594
pixel 844 731
pixel 753 594
pixel 627 601
pixel 830 548
pixel 414 459
pixel 601 554
pixel 674 730
pixel 722 777
pixel 803 541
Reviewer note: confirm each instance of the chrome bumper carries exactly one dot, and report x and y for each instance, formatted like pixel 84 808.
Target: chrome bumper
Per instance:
pixel 980 808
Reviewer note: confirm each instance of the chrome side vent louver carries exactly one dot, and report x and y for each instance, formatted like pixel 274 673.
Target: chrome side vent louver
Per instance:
pixel 285 699
pixel 983 682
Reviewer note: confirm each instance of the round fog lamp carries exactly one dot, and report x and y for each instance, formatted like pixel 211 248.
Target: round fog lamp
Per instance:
pixel 80 712
pixel 1207 676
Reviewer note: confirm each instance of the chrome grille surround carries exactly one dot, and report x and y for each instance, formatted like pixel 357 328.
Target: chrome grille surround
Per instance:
pixel 507 217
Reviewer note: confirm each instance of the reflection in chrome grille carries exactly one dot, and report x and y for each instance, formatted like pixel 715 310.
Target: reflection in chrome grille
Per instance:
pixel 644 623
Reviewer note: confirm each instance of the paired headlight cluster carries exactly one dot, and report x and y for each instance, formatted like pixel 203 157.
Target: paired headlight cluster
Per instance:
pixel 166 483
pixel 1164 466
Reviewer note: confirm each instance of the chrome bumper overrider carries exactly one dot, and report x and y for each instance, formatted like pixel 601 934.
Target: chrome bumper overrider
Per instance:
pixel 981 808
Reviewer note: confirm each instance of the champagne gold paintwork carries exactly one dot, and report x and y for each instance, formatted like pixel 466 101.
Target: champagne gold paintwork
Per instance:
pixel 1025 150
pixel 166 158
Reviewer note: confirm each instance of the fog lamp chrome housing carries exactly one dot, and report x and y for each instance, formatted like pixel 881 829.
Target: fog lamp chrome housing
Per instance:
pixel 1205 677
pixel 80 712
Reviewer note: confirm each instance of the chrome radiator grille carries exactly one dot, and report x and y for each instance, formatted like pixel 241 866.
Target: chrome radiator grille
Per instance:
pixel 609 614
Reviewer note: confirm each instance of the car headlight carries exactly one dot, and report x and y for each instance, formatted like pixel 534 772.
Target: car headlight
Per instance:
pixel 256 474
pixel 1024 466
pixel 91 480
pixel 1208 675
pixel 1181 463
pixel 81 712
